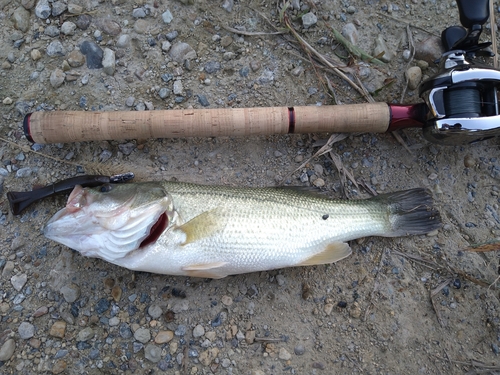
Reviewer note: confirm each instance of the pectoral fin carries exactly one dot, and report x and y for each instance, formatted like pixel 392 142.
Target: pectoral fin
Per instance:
pixel 202 226
pixel 332 253
pixel 210 270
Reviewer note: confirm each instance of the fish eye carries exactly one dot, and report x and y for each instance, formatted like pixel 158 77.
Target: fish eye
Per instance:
pixel 105 188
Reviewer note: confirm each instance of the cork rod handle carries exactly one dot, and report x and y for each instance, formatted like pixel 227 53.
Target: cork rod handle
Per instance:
pixel 77 126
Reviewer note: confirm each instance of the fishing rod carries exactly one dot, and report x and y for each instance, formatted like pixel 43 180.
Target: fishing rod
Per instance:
pixel 460 106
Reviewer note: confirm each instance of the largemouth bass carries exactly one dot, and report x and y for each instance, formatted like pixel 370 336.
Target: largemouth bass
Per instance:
pixel 213 231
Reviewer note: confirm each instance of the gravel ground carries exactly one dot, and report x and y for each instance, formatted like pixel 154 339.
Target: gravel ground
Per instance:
pixel 372 313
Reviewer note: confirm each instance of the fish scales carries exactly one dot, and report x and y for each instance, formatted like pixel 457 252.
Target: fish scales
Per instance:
pixel 215 231
pixel 268 226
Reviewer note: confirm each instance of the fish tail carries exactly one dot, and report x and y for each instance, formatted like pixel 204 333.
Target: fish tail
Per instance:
pixel 411 212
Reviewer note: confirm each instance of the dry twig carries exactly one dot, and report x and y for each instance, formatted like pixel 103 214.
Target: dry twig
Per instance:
pixel 252 33
pixel 337 137
pixel 493 27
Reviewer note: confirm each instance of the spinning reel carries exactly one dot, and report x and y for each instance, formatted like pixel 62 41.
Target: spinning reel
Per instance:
pixel 462 99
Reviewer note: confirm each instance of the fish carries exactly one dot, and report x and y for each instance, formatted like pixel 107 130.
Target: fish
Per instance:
pixel 185 229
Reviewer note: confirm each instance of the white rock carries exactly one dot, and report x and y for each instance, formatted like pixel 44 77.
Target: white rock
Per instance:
pixel 68 28
pixel 284 354
pixel 167 17
pixel 413 75
pixel 18 281
pixel 166 45
pixel 57 78
pixel 198 331
pixel 178 88
pixel 309 19
pixel 123 41
pixel 108 61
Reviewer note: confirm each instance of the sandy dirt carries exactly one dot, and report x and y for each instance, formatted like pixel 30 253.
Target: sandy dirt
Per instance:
pixel 396 306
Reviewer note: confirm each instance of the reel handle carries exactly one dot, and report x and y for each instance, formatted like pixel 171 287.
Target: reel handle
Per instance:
pixel 473 15
pixel 475 12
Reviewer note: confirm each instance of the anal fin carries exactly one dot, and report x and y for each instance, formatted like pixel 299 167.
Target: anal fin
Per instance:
pixel 209 270
pixel 333 252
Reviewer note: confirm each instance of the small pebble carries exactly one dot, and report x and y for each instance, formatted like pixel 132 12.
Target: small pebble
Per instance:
pixel 59 366
pixel 284 354
pixel 198 331
pixel 130 101
pixel 152 353
pixel 85 334
pixel 116 293
pixel 227 300
pixel 35 54
pixel 7 350
pixel 70 293
pixel 309 20
pixel 318 365
pixel 164 93
pixel 83 21
pixel 172 35
pixel 202 99
pixel 58 329
pixel 24 172
pixel 414 76
pixel 124 331
pixel 181 330
pixel 299 349
pixel 164 337
pixel 166 45
pixel 178 87
pixel 212 67
pixel 108 61
pixel 40 311
pixel 167 17
pixel 381 49
pixel 142 335
pixel 76 59
pixel 469 161
pixel 18 281
pixel 139 13
pixel 155 311
pixel 182 51
pixel 58 8
pixel 26 330
pixel 93 53
pixel 43 9
pixel 123 41
pixel 102 306
pixel 68 28
pixel 55 48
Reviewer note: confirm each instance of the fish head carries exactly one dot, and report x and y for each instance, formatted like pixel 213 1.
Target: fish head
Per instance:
pixel 112 220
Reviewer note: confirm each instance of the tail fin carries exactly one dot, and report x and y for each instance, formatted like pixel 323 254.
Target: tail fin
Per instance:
pixel 411 212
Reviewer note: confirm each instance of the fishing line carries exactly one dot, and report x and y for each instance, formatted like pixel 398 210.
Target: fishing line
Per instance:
pixel 462 101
